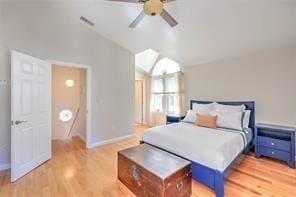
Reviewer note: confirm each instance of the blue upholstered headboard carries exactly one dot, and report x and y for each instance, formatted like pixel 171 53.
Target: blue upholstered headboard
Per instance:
pixel 250 105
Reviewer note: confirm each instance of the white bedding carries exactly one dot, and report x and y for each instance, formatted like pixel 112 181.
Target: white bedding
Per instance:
pixel 213 148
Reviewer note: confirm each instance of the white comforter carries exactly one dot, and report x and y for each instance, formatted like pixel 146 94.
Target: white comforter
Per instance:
pixel 214 148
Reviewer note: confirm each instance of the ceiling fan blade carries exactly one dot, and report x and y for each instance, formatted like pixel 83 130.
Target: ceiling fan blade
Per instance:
pixel 130 1
pixel 137 20
pixel 168 18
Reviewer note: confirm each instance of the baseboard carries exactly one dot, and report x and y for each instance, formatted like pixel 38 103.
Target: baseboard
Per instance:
pixel 80 136
pixel 4 166
pixel 110 141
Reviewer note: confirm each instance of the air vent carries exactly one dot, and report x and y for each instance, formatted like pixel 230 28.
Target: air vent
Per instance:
pixel 87 21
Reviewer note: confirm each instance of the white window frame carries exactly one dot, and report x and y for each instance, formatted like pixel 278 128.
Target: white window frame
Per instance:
pixel 164 93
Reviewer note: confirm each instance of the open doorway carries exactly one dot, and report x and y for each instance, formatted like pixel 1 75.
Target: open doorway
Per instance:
pixel 71 101
pixel 140 105
pixel 68 102
pixel 139 101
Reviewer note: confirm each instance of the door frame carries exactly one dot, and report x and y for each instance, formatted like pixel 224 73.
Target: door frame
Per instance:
pixel 88 94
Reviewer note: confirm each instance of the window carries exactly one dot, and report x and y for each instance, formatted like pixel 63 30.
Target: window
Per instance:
pixel 66 115
pixel 165 87
pixel 164 94
pixel 165 66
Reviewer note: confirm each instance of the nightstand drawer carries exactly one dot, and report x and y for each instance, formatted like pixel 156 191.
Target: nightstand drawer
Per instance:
pixel 277 154
pixel 274 143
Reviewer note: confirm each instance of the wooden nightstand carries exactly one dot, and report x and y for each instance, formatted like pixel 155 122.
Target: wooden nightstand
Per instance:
pixel 174 118
pixel 275 141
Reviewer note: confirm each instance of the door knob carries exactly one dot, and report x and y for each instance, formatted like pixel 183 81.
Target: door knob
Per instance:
pixel 20 121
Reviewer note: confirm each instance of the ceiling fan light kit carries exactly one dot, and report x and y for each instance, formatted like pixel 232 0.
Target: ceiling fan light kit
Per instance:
pixel 151 8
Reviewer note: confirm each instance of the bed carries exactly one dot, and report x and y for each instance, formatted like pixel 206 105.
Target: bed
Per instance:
pixel 212 152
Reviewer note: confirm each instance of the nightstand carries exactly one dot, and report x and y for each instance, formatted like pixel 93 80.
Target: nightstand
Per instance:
pixel 275 141
pixel 174 118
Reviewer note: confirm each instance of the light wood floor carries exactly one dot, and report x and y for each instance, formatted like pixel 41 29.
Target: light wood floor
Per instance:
pixel 76 171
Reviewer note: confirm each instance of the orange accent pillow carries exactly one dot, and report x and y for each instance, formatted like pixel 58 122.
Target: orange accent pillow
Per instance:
pixel 206 121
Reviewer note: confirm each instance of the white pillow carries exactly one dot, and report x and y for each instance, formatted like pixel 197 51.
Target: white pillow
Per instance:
pixel 230 120
pixel 202 109
pixel 223 108
pixel 246 119
pixel 190 116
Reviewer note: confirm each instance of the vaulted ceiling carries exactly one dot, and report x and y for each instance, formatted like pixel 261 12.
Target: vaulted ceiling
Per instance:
pixel 208 30
pixel 146 60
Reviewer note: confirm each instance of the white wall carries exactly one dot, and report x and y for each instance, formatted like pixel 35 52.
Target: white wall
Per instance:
pixel 269 79
pixel 42 31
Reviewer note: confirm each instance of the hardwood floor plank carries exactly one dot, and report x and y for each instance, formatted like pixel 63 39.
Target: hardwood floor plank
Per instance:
pixel 233 189
pixel 77 171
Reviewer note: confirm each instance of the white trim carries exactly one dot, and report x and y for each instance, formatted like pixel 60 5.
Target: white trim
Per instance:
pixel 5 166
pixel 110 141
pixel 88 94
pixel 68 64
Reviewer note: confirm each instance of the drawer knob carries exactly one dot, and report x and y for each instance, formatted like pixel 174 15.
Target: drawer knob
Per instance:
pixel 272 153
pixel 272 144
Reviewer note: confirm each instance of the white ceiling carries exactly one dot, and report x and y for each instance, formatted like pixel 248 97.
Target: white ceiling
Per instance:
pixel 146 60
pixel 208 30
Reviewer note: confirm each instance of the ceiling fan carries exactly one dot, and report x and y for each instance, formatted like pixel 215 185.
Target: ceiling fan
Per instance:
pixel 152 8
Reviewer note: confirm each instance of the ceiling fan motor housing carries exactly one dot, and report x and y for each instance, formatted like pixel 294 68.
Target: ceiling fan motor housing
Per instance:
pixel 153 7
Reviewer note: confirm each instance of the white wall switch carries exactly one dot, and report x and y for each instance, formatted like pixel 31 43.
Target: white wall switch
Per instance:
pixel 3 82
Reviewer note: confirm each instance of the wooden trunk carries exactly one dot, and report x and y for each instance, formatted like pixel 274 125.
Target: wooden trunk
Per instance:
pixel 148 171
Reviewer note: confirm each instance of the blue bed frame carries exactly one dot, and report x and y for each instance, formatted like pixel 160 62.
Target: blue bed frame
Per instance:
pixel 215 178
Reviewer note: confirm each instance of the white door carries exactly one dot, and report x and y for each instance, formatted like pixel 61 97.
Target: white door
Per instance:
pixel 30 113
